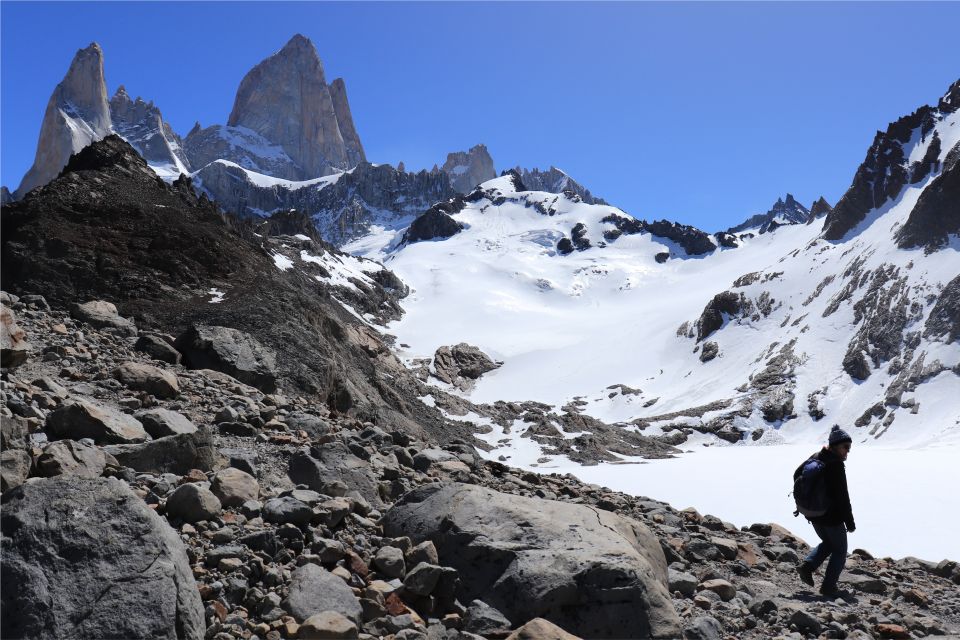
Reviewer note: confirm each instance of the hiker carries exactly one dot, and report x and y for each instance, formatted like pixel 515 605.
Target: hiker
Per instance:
pixel 832 527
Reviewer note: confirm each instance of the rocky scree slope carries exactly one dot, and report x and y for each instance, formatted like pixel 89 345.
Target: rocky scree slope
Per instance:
pixel 109 227
pixel 268 516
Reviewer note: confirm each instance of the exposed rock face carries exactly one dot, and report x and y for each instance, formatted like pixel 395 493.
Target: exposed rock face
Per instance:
pixel 783 212
pixel 286 99
pixel 435 222
pixel 944 318
pixel 692 240
pixel 341 209
pixel 88 419
pixel 885 171
pixel 141 124
pixel 108 567
pixel 241 146
pixel 936 215
pixel 554 180
pixel 462 363
pixel 5 196
pixel 589 571
pixel 169 454
pixel 77 114
pixel 819 209
pixel 229 351
pixel 467 169
pixel 726 303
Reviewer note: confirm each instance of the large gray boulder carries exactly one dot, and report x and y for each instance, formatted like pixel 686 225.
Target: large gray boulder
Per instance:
pixel 90 419
pixel 103 315
pixel 72 458
pixel 148 378
pixel 333 462
pixel 461 363
pixel 589 571
pixel 229 351
pixel 171 454
pixel 164 422
pixel 314 590
pixel 86 558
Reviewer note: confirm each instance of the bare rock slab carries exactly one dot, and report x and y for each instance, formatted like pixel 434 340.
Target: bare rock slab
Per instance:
pixel 589 571
pixel 108 567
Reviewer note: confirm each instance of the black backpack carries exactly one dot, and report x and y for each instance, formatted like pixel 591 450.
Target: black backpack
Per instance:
pixel 810 488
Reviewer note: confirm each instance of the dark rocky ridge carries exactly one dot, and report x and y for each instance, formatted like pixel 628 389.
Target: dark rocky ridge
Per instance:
pixel 341 211
pixel 108 227
pixel 789 210
pixel 884 172
pixel 936 216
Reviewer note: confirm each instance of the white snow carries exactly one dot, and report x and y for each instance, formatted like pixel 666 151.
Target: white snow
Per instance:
pixel 283 262
pixel 263 180
pixel 898 495
pixel 573 325
pixel 217 295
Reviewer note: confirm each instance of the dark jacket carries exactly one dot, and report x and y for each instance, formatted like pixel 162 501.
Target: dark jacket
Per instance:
pixel 839 510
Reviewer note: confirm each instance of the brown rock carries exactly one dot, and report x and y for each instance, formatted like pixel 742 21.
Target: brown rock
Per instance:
pixel 145 377
pixel 13 343
pixel 14 468
pixel 540 629
pixel 89 419
pixel 892 631
pixel 234 487
pixel 328 625
pixel 722 588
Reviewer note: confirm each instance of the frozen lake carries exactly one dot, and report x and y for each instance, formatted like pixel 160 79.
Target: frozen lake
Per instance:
pixel 905 501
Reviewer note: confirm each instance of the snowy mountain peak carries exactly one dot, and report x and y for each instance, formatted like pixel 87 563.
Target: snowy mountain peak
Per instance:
pixel 285 99
pixel 77 114
pixel 556 180
pixel 141 124
pixel 783 211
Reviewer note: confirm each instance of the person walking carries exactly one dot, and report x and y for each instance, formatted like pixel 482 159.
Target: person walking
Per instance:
pixel 833 526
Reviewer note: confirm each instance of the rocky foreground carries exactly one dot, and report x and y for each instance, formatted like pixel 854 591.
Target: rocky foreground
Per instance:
pixel 149 492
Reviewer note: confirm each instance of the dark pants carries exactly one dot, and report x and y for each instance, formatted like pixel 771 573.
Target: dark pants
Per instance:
pixel 834 544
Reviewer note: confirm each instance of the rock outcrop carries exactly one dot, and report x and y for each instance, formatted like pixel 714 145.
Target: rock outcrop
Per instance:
pixel 467 169
pixel 885 170
pixel 554 180
pixel 141 124
pixel 107 567
pixel 782 212
pixel 342 208
pixel 591 572
pixel 77 114
pixel 286 100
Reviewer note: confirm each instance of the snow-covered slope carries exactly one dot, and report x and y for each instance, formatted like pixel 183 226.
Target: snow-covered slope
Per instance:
pixel 779 338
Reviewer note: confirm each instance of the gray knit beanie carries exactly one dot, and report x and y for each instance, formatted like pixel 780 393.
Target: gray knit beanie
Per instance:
pixel 838 435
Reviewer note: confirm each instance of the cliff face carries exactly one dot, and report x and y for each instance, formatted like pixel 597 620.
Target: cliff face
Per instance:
pixel 141 124
pixel 286 100
pixel 77 114
pixel 467 169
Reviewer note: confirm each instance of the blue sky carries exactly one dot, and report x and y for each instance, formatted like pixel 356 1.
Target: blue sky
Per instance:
pixel 701 113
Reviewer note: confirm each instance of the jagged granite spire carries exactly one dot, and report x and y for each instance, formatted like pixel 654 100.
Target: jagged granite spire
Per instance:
pixel 141 124
pixel 286 100
pixel 467 169
pixel 77 114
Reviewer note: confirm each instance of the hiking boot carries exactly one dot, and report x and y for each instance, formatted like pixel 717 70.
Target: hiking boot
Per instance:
pixel 806 573
pixel 830 592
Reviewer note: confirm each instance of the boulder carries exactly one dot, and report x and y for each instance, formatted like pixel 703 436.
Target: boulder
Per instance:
pixel 14 432
pixel 68 457
pixel 13 343
pixel 164 422
pixel 389 562
pixel 540 629
pixel 589 571
pixel 158 349
pixel 721 587
pixel 703 628
pixel 108 567
pixel 287 509
pixel 234 487
pixel 171 454
pixel 314 590
pixel 90 419
pixel 483 620
pixel 461 361
pixel 328 625
pixel 192 503
pixel 147 378
pixel 14 468
pixel 333 462
pixel 103 315
pixel 229 351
